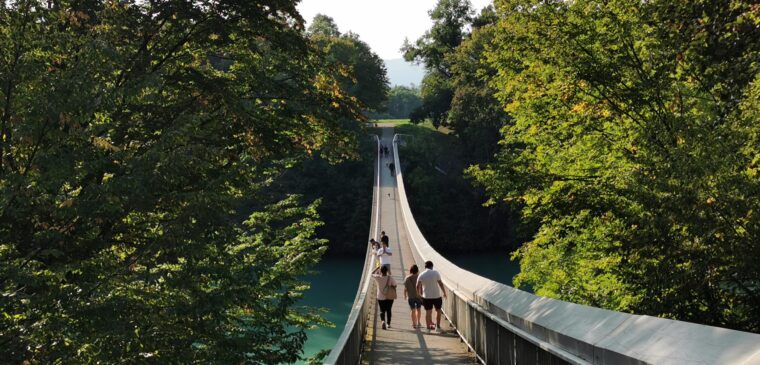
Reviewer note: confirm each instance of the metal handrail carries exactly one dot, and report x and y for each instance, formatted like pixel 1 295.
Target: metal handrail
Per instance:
pixel 348 348
pixel 506 325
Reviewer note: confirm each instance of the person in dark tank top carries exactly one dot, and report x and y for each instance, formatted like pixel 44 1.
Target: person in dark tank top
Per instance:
pixel 411 295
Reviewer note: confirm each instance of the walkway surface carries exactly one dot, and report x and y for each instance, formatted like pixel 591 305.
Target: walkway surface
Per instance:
pixel 402 344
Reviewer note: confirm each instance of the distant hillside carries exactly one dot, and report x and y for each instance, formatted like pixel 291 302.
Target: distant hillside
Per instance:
pixel 404 73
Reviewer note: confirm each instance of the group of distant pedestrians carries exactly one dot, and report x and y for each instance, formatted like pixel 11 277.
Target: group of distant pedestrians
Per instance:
pixel 391 166
pixel 384 151
pixel 421 290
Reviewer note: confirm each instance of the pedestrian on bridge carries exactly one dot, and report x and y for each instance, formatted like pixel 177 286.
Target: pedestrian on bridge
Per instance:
pixel 411 295
pixel 374 247
pixel 392 167
pixel 383 238
pixel 386 293
pixel 430 287
pixel 384 255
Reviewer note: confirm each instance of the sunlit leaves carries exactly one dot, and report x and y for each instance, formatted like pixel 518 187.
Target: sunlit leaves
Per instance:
pixel 634 150
pixel 361 73
pixel 132 135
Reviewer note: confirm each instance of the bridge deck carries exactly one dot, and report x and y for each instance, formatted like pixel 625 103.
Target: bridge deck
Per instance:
pixel 402 344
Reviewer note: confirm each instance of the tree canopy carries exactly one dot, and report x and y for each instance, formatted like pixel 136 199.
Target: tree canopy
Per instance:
pixel 627 139
pixel 402 100
pixel 361 72
pixel 475 115
pixel 450 18
pixel 323 25
pixel 634 149
pixel 132 133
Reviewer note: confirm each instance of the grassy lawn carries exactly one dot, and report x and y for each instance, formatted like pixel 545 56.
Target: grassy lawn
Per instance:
pixel 404 122
pixel 391 121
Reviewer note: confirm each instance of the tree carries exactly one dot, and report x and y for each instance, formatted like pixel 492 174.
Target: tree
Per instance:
pixel 437 93
pixel 323 25
pixel 362 73
pixel 402 100
pixel 450 17
pixel 634 148
pixel 447 208
pixel 131 134
pixel 475 115
pixel 457 93
pixel 342 189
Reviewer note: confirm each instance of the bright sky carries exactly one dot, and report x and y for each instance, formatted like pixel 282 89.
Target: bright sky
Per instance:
pixel 383 24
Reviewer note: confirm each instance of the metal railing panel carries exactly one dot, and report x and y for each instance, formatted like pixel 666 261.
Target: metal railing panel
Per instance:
pixel 506 347
pixel 492 342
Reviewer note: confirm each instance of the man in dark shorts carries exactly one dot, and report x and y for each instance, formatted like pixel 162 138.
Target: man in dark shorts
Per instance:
pixel 411 295
pixel 430 287
pixel 392 167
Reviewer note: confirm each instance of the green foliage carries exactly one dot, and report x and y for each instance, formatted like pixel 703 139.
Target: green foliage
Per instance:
pixel 323 25
pixel 402 100
pixel 450 17
pixel 131 133
pixel 345 190
pixel 436 98
pixel 362 73
pixel 318 358
pixel 634 147
pixel 475 115
pixel 448 209
pixel 455 91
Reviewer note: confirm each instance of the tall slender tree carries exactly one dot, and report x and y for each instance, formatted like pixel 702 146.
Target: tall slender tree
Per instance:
pixel 475 115
pixel 450 19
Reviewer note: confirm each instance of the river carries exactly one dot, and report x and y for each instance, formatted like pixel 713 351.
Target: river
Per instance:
pixel 334 288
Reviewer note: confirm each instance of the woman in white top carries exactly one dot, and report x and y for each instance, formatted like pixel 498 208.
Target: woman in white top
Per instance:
pixel 384 255
pixel 386 293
